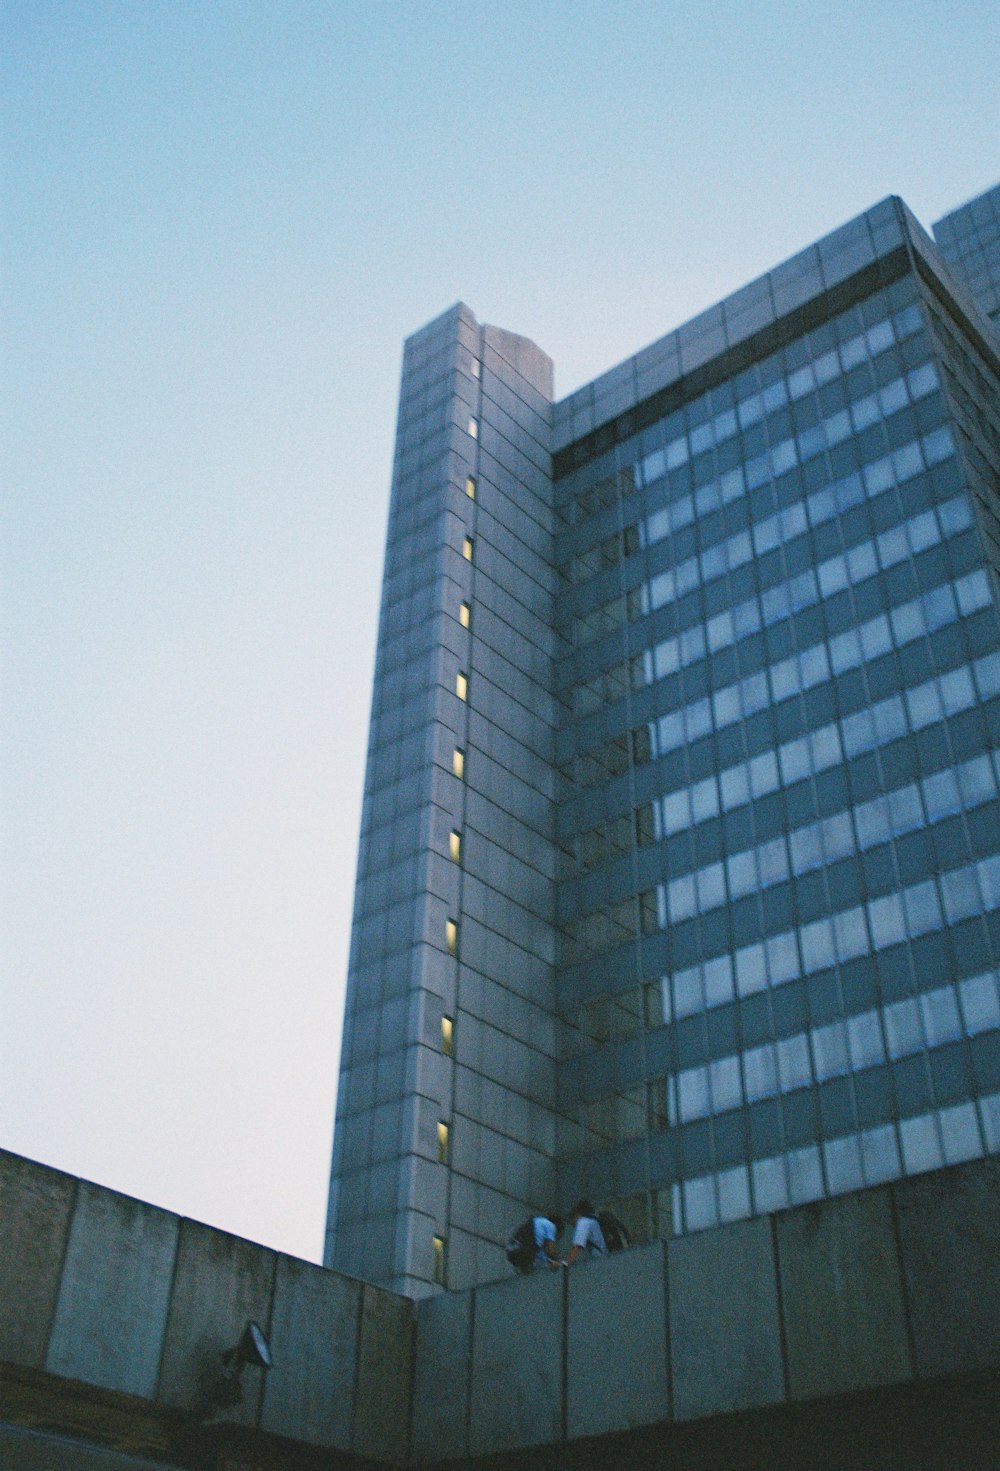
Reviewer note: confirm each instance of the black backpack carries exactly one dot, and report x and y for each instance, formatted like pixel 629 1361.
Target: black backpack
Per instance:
pixel 614 1231
pixel 521 1246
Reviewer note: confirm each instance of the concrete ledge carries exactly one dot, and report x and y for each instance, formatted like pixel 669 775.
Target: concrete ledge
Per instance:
pixel 616 1343
pixel 220 1282
pixel 441 1377
pixel 35 1207
pixel 111 1315
pixel 842 1296
pixel 725 1334
pixel 949 1232
pixel 385 1377
pixel 315 1322
pixel 517 1364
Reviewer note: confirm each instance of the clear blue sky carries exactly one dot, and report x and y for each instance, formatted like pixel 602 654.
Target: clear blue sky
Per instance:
pixel 219 220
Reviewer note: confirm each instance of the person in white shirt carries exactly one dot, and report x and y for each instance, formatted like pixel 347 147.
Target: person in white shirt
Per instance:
pixel 546 1229
pixel 588 1238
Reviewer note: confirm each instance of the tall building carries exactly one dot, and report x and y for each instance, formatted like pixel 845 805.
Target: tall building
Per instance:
pixel 679 877
pixel 969 240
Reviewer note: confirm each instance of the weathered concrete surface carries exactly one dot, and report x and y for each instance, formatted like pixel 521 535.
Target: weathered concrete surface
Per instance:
pixel 615 1302
pixel 949 1231
pixel 220 1282
pixel 725 1335
pixel 517 1364
pixel 35 1206
pixel 842 1296
pixel 385 1377
pixel 315 1322
pixel 441 1377
pixel 111 1313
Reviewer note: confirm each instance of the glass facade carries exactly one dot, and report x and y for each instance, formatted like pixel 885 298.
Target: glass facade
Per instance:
pixel 780 814
pixel 679 877
pixel 969 240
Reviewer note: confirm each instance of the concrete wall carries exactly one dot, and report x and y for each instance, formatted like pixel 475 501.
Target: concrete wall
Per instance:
pixel 101 1290
pixel 850 1297
pixel 891 1291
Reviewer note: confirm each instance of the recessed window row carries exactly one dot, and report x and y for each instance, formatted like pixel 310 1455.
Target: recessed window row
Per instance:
pixel 788 453
pixel 711 432
pixel 607 928
pixel 962 892
pixel 778 529
pixel 812 845
pixel 608 553
pixel 773 1070
pixel 849 1045
pixel 807 755
pixel 785 526
pixel 793 595
pixel 796 675
pixel 867 1157
pixel 784 390
pixel 921 617
pixel 617 836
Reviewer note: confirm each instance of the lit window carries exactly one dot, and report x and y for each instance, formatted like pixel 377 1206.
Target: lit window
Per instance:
pixel 439 1260
pixel 462 685
pixel 442 1142
pixel 447 1035
pixel 474 428
pixel 458 762
pixel 467 548
pixel 455 845
pixel 465 615
pixel 451 936
pixel 475 367
pixel 470 487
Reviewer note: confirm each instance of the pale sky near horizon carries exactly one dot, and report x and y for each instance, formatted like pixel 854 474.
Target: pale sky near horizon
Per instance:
pixel 219 221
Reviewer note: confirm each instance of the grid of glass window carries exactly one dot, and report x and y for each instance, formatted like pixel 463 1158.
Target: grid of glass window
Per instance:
pixel 785 582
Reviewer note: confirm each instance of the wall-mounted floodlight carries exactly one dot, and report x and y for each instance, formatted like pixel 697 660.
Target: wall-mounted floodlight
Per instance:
pixel 253 1350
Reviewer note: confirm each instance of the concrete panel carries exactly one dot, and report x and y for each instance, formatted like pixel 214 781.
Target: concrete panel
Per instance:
pixel 309 1393
pixel 616 1361
pixel 111 1312
pixel 35 1205
pixel 220 1282
pixel 949 1227
pixel 517 1364
pixel 842 1296
pixel 725 1337
pixel 441 1377
pixel 385 1377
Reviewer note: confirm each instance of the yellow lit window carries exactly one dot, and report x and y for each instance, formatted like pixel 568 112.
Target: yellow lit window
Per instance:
pixel 439 1260
pixel 465 615
pixel 458 762
pixel 455 845
pixel 474 428
pixel 470 487
pixel 467 548
pixel 442 1142
pixel 447 1035
pixel 462 685
pixel 451 936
